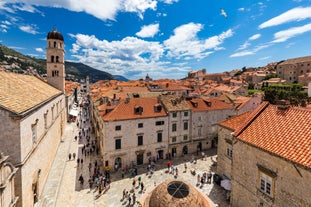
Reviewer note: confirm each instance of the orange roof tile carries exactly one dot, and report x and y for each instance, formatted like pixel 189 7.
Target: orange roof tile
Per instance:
pixel 125 111
pixel 236 121
pixel 208 104
pixel 285 133
pixel 19 93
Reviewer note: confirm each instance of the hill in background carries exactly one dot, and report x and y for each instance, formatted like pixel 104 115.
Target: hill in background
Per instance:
pixel 16 62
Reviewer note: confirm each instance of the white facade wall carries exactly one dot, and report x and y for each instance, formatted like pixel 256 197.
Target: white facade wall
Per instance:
pixel 129 139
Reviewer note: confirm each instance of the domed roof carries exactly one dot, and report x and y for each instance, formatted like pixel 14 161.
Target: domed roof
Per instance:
pixel 177 193
pixel 55 35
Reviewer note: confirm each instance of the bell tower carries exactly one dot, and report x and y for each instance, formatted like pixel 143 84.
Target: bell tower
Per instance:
pixel 55 62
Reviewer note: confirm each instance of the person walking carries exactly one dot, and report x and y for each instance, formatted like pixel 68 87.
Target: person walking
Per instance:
pixel 78 161
pixel 69 156
pixel 134 198
pixel 123 196
pixel 74 155
pixel 141 186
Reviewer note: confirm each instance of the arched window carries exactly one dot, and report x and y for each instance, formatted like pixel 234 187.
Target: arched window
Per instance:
pixel 54 44
pixel 57 59
pixel 52 58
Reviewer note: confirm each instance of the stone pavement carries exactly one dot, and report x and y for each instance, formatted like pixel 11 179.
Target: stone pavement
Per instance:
pixel 62 188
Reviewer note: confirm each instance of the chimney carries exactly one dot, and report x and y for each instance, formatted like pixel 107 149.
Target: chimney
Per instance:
pixel 127 100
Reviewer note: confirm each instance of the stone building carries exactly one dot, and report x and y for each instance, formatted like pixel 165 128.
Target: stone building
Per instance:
pixel 179 119
pixel 134 132
pixel 34 113
pixel 205 115
pixel 7 176
pixel 291 69
pixel 271 162
pixel 224 149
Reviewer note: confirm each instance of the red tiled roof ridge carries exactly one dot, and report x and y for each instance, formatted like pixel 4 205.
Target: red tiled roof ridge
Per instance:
pixel 237 117
pixel 251 118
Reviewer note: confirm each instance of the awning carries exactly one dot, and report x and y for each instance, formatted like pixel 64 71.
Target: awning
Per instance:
pixel 74 112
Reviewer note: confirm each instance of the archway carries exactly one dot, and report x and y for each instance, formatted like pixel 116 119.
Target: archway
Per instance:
pixel 199 146
pixel 118 163
pixel 185 150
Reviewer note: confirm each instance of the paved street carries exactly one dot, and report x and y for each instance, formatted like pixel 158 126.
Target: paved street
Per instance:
pixel 64 190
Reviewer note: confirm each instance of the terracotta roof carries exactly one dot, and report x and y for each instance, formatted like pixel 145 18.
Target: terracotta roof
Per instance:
pixel 126 110
pixel 296 60
pixel 19 93
pixel 207 104
pixel 70 87
pixel 283 132
pixel 236 121
pixel 174 103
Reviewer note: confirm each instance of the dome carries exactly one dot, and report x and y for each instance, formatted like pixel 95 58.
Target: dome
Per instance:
pixel 55 35
pixel 177 193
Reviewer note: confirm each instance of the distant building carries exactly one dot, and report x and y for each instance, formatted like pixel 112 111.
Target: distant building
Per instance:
pixel 291 69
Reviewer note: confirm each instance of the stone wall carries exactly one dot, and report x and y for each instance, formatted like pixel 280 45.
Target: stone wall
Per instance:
pixel 34 157
pixel 223 160
pixel 291 184
pixel 129 144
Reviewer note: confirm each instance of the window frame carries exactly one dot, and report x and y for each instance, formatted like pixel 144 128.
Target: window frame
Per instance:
pixel 118 145
pixel 174 127
pixel 229 151
pixel 159 137
pixel 186 125
pixel 140 125
pixel 140 140
pixel 118 128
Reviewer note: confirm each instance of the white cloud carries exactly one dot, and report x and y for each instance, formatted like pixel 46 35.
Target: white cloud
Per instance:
pixel 254 37
pixel 6 22
pixel 4 30
pixel 28 29
pixel 148 31
pixel 139 6
pixel 185 43
pixel 241 54
pixel 296 14
pixel 244 46
pixel 265 58
pixel 247 43
pixel 241 9
pixel 117 57
pixel 284 35
pixel 170 1
pixel 39 49
pixel 101 9
pixel 252 51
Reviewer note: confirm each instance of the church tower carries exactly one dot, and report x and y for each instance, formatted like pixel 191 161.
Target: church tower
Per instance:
pixel 55 62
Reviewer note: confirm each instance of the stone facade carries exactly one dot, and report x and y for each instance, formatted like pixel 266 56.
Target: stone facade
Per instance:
pixel 290 69
pixel 224 152
pixel 7 176
pixel 32 141
pixel 130 152
pixel 55 61
pixel 290 182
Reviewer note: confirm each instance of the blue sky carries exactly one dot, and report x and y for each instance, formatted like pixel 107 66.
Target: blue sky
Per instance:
pixel 162 38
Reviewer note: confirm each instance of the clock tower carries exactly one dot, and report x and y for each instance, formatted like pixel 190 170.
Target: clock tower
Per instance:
pixel 55 62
